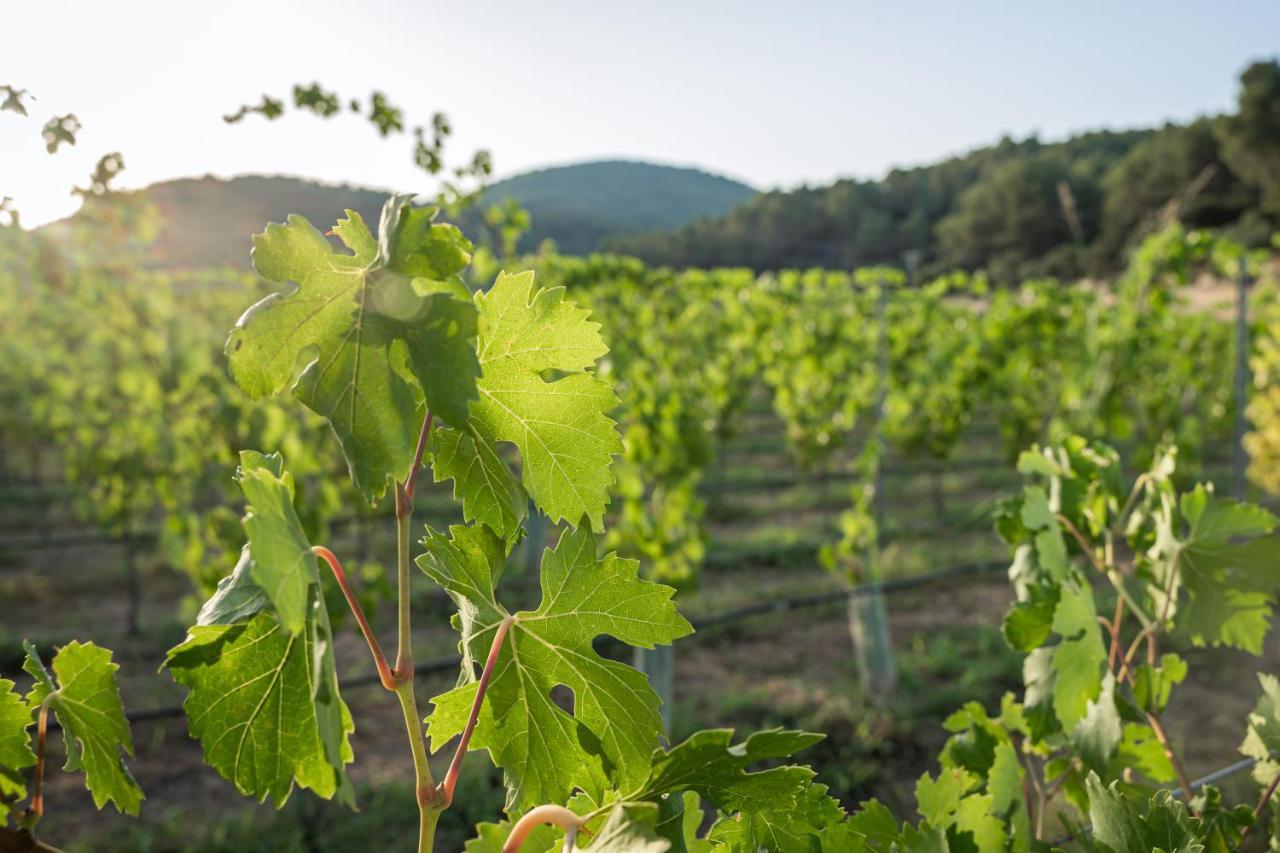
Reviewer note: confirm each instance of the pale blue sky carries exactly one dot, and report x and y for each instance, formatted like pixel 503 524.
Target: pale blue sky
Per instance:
pixel 773 93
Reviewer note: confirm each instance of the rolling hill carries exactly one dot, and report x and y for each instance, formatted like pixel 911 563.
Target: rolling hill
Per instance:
pixel 582 206
pixel 207 221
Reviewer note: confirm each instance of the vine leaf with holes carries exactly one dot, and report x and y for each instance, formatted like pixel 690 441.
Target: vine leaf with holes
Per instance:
pixel 545 751
pixel 1226 565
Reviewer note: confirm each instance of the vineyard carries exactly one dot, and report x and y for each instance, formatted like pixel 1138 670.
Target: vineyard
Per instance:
pixel 755 450
pixel 682 560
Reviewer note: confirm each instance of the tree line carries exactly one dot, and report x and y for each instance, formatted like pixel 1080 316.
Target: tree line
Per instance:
pixel 1016 209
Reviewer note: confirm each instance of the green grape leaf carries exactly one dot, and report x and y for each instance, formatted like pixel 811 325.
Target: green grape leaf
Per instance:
pixel 1140 751
pixel 1051 550
pixel 794 829
pixel 356 341
pixel 566 440
pixel 709 764
pixel 1078 659
pixel 1005 781
pixel 489 492
pixel 875 824
pixel 15 747
pixel 630 828
pixel 1228 566
pixel 1035 513
pixel 1262 738
pixel 84 697
pixel 544 750
pixel 264 701
pixel 974 816
pixel 1029 623
pixel 938 799
pixel 283 565
pixel 1153 684
pixel 1221 825
pixel 679 819
pixel 1099 733
pixel 1040 679
pixel 237 598
pixel 15 719
pixel 1121 828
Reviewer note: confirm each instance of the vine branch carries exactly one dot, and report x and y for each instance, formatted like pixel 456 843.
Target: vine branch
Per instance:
pixel 411 480
pixel 385 675
pixel 1184 781
pixel 1262 804
pixel 455 766
pixel 37 787
pixel 430 799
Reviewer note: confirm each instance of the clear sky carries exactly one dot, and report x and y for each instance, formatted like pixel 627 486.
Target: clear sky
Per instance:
pixel 773 93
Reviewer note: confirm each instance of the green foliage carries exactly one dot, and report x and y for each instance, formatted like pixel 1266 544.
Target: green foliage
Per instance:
pixel 565 438
pixel 13 100
pixel 59 131
pixel 1249 137
pixel 374 339
pixel 83 695
pixel 15 748
pixel 259 663
pixel 374 332
pixel 1120 827
pixel 106 170
pixel 1262 737
pixel 545 751
pixel 388 119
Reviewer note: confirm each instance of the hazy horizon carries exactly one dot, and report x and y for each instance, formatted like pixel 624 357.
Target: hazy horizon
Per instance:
pixel 774 98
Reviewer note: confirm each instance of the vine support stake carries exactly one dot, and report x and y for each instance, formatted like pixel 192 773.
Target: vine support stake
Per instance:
pixel 658 664
pixel 868 611
pixel 1240 459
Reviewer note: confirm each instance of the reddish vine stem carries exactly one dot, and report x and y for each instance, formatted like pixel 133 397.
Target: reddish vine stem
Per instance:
pixel 554 815
pixel 1081 541
pixel 1184 781
pixel 455 766
pixel 1114 652
pixel 404 509
pixel 411 481
pixel 37 788
pixel 385 675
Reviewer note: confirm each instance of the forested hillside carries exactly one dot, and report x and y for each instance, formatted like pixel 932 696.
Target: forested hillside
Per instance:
pixel 206 222
pixel 581 206
pixel 1016 208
